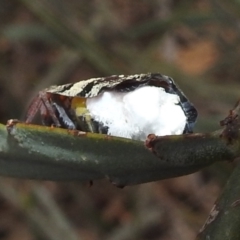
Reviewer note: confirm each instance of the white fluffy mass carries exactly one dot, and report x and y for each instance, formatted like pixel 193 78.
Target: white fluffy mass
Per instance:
pixel 138 113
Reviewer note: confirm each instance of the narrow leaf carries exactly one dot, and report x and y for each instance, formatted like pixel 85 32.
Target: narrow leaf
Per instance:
pixel 38 152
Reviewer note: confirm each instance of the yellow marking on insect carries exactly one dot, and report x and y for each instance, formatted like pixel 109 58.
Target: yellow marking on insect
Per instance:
pixel 79 106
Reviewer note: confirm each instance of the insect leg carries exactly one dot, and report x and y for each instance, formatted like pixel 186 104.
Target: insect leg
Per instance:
pixel 66 121
pixel 49 108
pixel 41 102
pixel 33 109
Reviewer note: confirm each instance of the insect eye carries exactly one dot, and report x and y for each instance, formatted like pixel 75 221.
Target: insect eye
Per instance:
pixel 170 80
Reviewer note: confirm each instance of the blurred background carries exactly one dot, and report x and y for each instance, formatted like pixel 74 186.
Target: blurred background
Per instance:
pixel 47 42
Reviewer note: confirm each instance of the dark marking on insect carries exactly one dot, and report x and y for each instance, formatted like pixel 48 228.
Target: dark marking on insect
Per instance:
pixel 65 105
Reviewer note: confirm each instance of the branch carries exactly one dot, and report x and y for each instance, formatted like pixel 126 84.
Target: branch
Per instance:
pixel 224 219
pixel 38 152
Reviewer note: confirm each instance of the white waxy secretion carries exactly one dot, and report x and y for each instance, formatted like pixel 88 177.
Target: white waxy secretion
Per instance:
pixel 138 113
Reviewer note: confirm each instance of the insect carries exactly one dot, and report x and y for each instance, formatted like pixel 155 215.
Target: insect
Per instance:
pixel 130 106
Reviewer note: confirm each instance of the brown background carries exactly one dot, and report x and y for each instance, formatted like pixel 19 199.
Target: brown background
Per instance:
pixel 46 42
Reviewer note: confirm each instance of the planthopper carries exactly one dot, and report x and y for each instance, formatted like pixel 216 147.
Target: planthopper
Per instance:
pixel 129 106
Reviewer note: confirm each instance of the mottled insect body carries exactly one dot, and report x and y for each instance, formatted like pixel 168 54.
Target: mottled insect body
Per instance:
pixel 70 105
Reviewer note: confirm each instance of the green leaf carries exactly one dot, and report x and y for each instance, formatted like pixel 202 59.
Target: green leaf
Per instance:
pixel 38 152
